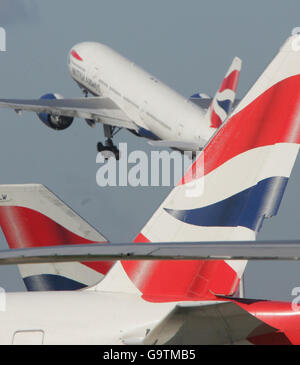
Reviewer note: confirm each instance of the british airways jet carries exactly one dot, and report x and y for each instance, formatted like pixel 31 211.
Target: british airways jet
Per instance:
pixel 248 163
pixel 125 96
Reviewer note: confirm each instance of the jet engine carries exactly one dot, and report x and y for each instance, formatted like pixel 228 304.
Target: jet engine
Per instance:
pixel 57 122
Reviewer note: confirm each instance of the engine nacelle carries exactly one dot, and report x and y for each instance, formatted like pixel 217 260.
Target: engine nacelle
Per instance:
pixel 54 121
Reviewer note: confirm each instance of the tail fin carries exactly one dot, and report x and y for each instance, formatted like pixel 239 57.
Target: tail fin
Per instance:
pixel 32 216
pixel 220 107
pixel 244 170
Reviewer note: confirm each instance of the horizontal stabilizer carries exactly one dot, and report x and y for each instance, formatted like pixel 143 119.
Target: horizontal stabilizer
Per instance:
pixel 205 103
pixel 235 250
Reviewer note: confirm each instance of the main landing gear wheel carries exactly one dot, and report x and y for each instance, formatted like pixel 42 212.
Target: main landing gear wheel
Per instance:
pixel 109 150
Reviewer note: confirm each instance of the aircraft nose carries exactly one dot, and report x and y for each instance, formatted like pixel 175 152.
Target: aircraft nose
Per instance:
pixel 81 51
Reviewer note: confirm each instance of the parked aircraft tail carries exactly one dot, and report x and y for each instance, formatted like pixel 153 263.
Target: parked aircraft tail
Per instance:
pixel 32 216
pixel 237 181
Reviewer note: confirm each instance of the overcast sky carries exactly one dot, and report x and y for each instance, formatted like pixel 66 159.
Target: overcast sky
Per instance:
pixel 188 45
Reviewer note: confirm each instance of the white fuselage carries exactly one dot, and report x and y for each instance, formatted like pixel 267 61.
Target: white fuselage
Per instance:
pixel 149 103
pixel 78 317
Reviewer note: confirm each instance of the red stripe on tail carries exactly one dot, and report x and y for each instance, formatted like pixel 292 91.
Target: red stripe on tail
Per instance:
pixel 271 118
pixel 162 281
pixel 24 227
pixel 231 81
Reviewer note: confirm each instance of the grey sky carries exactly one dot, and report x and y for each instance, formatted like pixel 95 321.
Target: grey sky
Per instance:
pixel 188 45
pixel 17 11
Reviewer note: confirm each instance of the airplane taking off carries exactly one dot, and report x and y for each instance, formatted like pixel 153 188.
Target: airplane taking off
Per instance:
pixel 247 166
pixel 125 96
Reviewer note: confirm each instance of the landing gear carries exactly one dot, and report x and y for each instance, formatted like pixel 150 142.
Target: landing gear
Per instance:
pixel 83 89
pixel 109 150
pixel 191 154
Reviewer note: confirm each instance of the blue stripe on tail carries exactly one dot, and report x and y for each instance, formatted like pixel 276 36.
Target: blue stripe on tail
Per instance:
pixel 225 105
pixel 49 282
pixel 247 208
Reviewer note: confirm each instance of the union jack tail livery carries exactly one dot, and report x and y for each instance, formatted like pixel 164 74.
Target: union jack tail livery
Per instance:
pixel 220 107
pixel 244 170
pixel 32 216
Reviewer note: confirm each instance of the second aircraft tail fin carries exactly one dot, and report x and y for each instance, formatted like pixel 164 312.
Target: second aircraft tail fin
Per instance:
pixel 221 105
pixel 32 216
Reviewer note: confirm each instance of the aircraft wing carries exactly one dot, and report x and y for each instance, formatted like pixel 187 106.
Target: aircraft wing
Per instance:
pixel 206 323
pixel 100 109
pixel 237 250
pixel 182 145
